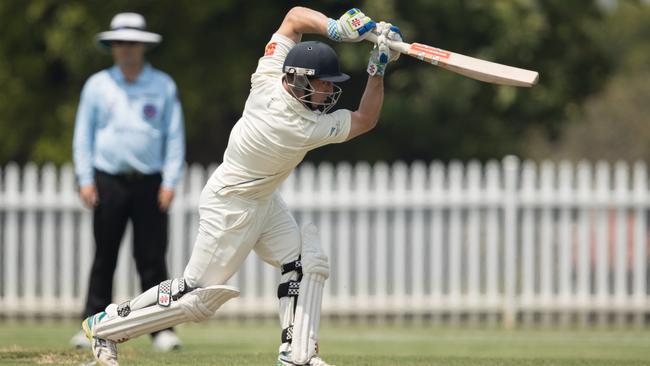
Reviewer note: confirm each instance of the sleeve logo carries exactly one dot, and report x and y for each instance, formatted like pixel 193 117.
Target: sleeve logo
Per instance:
pixel 270 49
pixel 334 130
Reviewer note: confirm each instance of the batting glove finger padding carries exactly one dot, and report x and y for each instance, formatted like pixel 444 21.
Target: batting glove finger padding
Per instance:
pixel 381 54
pixel 394 35
pixel 352 26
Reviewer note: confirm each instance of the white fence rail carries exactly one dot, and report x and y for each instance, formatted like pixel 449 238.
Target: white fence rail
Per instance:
pixel 506 240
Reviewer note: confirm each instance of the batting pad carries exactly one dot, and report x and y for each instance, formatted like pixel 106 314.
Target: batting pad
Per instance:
pixel 198 305
pixel 307 318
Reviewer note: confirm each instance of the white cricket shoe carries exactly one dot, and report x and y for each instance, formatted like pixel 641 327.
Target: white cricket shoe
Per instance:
pixel 317 361
pixel 284 359
pixel 104 350
pixel 166 341
pixel 79 340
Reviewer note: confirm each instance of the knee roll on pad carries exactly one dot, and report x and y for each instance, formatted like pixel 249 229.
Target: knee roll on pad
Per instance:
pixel 312 257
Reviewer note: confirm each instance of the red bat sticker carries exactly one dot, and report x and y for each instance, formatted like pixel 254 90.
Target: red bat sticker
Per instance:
pixel 428 53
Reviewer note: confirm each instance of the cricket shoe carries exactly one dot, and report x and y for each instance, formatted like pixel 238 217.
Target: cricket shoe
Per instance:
pixel 165 341
pixel 104 350
pixel 79 340
pixel 284 359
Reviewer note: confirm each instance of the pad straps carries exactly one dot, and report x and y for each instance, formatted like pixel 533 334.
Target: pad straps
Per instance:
pixel 292 266
pixel 169 290
pixel 165 293
pixel 287 334
pixel 289 288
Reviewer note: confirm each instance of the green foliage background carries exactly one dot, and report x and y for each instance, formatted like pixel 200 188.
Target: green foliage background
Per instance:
pixel 211 47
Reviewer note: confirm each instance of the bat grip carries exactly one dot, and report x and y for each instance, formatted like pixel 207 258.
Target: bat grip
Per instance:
pixel 400 47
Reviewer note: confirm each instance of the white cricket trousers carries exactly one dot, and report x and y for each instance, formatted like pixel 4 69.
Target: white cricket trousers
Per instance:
pixel 230 226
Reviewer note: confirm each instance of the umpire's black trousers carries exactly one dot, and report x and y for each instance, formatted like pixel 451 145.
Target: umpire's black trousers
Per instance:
pixel 124 197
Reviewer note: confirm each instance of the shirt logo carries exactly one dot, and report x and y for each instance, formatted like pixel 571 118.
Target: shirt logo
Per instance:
pixel 149 111
pixel 334 130
pixel 270 49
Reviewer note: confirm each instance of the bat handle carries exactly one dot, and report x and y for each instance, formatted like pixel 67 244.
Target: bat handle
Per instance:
pixel 400 47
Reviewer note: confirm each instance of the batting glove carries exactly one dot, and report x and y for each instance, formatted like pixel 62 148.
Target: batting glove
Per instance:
pixel 352 26
pixel 381 54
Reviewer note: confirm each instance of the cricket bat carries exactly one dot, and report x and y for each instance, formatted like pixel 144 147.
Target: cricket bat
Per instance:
pixel 490 72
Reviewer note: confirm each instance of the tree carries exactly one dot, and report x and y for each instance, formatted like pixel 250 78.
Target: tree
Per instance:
pixel 613 124
pixel 211 48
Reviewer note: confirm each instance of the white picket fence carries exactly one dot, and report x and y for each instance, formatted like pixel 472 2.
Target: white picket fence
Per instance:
pixel 507 240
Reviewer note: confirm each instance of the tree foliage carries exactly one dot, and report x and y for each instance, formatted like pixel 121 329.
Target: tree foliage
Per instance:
pixel 613 123
pixel 210 48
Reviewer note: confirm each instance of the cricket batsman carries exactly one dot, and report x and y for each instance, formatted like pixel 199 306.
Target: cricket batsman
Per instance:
pixel 285 116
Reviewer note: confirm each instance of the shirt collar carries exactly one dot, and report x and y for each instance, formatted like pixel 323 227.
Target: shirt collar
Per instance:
pixel 145 74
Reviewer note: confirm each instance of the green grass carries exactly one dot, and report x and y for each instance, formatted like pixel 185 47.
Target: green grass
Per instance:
pixel 226 343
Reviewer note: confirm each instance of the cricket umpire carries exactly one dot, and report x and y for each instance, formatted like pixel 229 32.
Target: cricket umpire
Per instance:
pixel 129 152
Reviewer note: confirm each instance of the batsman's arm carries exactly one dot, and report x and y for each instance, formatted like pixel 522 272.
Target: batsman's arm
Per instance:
pixel 352 26
pixel 300 20
pixel 365 118
pixel 82 146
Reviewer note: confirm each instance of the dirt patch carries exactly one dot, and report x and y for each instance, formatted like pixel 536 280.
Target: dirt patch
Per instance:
pixel 21 355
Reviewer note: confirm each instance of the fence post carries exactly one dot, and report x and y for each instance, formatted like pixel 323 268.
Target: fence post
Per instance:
pixel 30 198
pixel 49 244
pixel 640 261
pixel 398 246
pixel 472 257
pixel 9 261
pixel 435 198
pixel 362 235
pixel 454 243
pixel 621 238
pixel 528 264
pixel 417 194
pixel 342 242
pixel 510 206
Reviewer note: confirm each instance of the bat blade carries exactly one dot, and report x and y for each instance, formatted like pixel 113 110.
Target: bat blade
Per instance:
pixel 487 71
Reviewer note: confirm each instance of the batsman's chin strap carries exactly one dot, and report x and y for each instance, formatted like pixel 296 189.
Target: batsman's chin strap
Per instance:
pixel 290 289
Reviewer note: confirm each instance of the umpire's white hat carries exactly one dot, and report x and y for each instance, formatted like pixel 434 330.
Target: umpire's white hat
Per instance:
pixel 129 27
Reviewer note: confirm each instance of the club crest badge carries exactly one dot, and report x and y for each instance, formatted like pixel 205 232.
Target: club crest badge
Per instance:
pixel 270 49
pixel 149 111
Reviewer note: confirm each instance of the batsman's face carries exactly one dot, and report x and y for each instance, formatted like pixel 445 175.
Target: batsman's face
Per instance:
pixel 128 53
pixel 324 89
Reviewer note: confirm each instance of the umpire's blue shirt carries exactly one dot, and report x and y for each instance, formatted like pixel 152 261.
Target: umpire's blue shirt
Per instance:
pixel 124 127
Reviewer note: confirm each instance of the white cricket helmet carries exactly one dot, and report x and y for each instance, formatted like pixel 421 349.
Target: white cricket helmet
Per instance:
pixel 128 27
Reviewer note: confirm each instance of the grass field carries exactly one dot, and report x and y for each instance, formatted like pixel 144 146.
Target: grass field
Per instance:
pixel 227 343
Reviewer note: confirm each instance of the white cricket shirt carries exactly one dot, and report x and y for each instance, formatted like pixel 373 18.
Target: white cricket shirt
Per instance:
pixel 274 133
